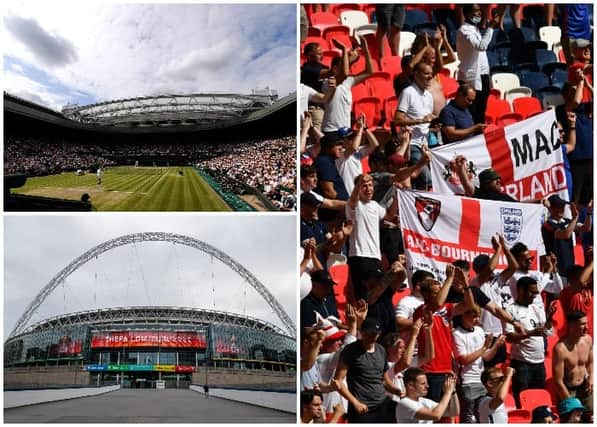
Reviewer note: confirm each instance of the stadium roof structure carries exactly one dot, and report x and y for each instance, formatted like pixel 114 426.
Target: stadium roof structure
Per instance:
pixel 171 110
pixel 163 113
pixel 146 315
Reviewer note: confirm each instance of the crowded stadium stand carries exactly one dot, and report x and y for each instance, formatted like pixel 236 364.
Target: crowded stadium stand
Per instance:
pixel 247 132
pixel 444 276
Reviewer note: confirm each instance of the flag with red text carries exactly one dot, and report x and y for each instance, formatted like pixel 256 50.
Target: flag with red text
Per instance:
pixel 438 229
pixel 527 155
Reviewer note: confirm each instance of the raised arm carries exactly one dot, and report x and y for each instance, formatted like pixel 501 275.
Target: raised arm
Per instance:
pixel 445 289
pixel 502 391
pixel 437 413
pixel 368 63
pixel 469 188
pixel 407 357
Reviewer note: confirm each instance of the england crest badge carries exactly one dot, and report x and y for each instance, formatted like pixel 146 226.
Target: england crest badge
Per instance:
pixel 511 220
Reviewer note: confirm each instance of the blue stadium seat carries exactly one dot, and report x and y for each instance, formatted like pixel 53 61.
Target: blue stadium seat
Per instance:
pixel 545 56
pixel 558 77
pixel 550 67
pixel 535 80
pixel 525 67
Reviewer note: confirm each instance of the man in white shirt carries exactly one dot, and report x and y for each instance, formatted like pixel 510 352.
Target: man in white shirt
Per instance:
pixel 528 346
pixel 414 407
pixel 337 110
pixel 364 253
pixel 472 347
pixel 471 46
pixel 349 163
pixel 548 281
pixel 415 109
pixel 491 284
pixel 406 307
pixel 491 407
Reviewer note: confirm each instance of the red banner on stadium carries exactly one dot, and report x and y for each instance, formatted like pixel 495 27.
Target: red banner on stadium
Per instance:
pixel 149 339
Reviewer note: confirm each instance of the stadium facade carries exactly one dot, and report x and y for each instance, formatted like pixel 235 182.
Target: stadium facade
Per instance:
pixel 139 346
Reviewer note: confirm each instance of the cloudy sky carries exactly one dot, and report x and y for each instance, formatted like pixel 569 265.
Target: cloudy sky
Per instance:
pixel 36 248
pixel 84 52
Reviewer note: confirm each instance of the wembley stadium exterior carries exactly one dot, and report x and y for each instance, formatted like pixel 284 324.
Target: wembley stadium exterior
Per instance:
pixel 139 346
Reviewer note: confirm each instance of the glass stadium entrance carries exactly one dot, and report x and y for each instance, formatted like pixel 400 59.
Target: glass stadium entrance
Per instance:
pixel 146 359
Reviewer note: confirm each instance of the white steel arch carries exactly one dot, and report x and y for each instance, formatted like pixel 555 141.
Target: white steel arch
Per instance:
pixel 155 237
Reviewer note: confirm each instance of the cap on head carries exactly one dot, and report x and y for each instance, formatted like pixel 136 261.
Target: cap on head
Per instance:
pixel 397 160
pixel 488 175
pixel 371 326
pixel 542 412
pixel 309 199
pixel 323 277
pixel 581 43
pixel 556 201
pixel 344 132
pixel 570 404
pixel 328 325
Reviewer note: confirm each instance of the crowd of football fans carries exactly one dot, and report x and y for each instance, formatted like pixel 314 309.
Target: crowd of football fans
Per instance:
pixel 382 86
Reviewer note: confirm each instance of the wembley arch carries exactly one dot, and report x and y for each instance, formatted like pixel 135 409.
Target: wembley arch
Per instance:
pixel 154 237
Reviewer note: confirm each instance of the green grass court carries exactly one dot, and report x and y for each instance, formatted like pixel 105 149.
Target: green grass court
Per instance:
pixel 132 189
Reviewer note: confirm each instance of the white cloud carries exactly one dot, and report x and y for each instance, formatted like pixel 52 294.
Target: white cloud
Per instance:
pixel 128 50
pixel 36 248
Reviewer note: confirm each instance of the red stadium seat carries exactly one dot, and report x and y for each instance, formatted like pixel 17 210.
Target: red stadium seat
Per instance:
pixel 325 45
pixel 339 274
pixel 449 85
pixel 526 106
pixel 390 105
pixel 372 45
pixel 313 32
pixel 508 119
pixel 559 318
pixel 365 165
pixel 533 397
pixel 328 55
pixel 391 64
pixel 337 9
pixel 322 20
pixel 380 85
pixel 509 402
pixel 340 33
pixel 519 416
pixel 490 128
pixel 496 108
pixel 360 91
pixel 358 66
pixel 370 106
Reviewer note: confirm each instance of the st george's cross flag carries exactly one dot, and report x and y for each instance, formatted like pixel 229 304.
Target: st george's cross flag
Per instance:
pixel 438 229
pixel 527 155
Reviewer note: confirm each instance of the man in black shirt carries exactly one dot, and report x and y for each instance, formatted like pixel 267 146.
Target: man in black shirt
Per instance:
pixel 312 74
pixel 364 365
pixel 490 186
pixel 321 299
